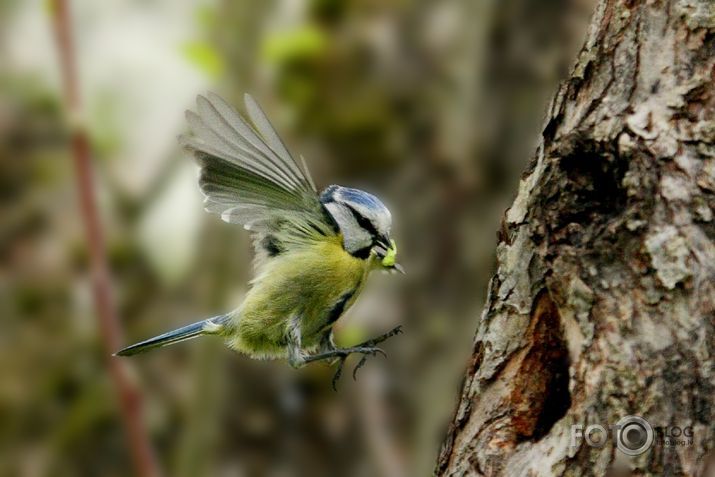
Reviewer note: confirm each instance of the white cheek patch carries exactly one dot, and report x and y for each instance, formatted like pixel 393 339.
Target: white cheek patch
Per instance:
pixel 354 236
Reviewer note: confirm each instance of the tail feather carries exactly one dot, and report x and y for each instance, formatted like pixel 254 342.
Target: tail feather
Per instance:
pixel 209 326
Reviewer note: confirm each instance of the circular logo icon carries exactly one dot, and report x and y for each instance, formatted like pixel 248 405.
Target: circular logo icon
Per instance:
pixel 634 435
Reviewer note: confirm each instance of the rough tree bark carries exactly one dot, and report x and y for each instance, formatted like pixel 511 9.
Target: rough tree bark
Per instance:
pixel 603 304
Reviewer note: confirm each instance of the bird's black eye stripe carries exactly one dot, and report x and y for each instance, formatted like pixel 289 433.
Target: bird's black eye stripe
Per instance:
pixel 363 222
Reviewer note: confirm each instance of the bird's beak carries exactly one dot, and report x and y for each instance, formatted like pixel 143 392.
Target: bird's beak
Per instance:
pixel 399 268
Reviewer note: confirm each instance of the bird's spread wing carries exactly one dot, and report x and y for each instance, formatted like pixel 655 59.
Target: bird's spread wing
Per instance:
pixel 250 178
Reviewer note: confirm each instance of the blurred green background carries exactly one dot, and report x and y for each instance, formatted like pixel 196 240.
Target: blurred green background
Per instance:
pixel 433 106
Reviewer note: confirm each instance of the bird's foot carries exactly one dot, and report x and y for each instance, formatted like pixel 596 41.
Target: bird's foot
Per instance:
pixel 375 341
pixel 393 332
pixel 366 349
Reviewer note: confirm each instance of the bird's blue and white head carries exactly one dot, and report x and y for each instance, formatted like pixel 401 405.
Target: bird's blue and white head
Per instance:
pixel 364 222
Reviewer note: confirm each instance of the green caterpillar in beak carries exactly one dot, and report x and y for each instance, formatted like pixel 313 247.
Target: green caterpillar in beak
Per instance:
pixel 388 261
pixel 389 258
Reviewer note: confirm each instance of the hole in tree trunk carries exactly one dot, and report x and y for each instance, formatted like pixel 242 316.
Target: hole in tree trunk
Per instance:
pixel 541 397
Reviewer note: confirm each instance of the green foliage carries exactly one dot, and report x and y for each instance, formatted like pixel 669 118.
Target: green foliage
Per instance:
pixel 205 57
pixel 304 43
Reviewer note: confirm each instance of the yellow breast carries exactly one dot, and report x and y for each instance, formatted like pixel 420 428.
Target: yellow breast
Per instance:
pixel 303 284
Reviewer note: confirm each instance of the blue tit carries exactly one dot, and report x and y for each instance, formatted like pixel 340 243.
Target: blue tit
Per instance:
pixel 313 252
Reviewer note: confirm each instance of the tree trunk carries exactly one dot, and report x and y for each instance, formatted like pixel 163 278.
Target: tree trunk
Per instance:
pixel 603 304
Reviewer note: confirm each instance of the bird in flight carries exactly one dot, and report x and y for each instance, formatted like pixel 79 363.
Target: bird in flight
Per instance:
pixel 313 251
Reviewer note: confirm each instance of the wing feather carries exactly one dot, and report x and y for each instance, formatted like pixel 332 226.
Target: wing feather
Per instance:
pixel 274 142
pixel 249 177
pixel 247 134
pixel 232 127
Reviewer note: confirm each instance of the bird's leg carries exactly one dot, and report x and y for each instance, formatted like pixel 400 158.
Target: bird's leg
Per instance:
pixel 395 331
pixel 327 342
pixel 296 356
pixel 367 349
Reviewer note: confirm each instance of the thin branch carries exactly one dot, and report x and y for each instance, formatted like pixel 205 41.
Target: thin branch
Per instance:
pixel 110 328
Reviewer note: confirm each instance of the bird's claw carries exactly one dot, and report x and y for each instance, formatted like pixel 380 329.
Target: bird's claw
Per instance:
pixel 360 364
pixel 340 355
pixel 393 332
pixel 365 351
